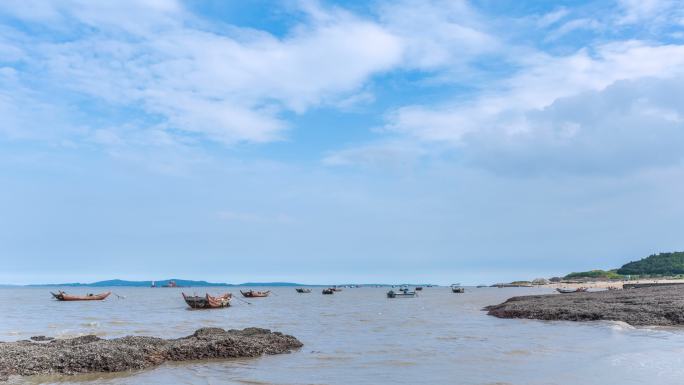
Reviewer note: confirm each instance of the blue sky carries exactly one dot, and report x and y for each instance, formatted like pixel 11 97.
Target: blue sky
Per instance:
pixel 322 142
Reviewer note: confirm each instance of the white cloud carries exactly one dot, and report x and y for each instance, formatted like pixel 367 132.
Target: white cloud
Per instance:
pixel 635 11
pixel 553 17
pixel 572 26
pixel 228 87
pixel 520 119
pixel 544 80
pixel 630 125
pixel 438 34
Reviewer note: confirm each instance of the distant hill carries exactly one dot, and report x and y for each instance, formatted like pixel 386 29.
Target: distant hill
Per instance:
pixel 656 264
pixel 164 282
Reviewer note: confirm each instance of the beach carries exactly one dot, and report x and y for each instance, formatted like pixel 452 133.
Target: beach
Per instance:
pixel 610 284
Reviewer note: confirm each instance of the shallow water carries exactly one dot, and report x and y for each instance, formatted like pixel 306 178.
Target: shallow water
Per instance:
pixel 358 336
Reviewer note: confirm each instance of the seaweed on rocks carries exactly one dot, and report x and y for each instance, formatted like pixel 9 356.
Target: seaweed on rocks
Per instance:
pixel 90 353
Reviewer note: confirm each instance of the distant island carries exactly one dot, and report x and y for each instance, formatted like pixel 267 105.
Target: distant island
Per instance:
pixel 162 283
pixel 655 265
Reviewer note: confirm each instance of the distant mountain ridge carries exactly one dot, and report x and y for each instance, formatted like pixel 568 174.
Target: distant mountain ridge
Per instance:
pixel 163 282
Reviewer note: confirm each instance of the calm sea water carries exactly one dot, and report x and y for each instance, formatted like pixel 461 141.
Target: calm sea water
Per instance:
pixel 360 337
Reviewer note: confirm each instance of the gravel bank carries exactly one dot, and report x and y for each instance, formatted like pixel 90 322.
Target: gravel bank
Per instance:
pixel 92 354
pixel 652 306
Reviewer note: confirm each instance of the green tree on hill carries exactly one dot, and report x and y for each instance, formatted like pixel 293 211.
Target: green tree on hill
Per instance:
pixel 656 264
pixel 594 274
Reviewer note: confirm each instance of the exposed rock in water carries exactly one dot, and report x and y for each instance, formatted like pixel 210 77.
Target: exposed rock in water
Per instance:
pixel 653 306
pixel 92 354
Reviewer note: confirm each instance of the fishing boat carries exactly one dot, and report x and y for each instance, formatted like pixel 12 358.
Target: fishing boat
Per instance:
pixel 456 288
pixel 208 302
pixel 335 288
pixel 328 291
pixel 255 294
pixel 403 293
pixel 303 290
pixel 62 296
pixel 564 290
pixel 419 288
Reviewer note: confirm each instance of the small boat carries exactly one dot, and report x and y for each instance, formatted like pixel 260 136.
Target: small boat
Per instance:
pixel 335 288
pixel 481 286
pixel 455 288
pixel 403 293
pixel 328 291
pixel 255 294
pixel 564 290
pixel 62 296
pixel 208 302
pixel 302 290
pixel 419 288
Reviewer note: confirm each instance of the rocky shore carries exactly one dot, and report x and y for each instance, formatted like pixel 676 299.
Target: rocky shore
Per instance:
pixel 650 306
pixel 43 355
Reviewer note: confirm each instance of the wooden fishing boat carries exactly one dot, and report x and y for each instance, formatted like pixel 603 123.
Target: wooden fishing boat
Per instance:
pixel 456 289
pixel 563 290
pixel 302 290
pixel 404 293
pixel 328 291
pixel 208 302
pixel 62 296
pixel 255 294
pixel 419 288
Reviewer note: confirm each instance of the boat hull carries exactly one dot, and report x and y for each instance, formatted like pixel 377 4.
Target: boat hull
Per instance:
pixel 62 296
pixel 255 294
pixel 208 302
pixel 405 294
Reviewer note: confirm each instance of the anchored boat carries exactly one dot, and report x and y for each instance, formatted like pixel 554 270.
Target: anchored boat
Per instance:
pixel 402 293
pixel 328 291
pixel 563 290
pixel 303 290
pixel 255 294
pixel 62 296
pixel 208 302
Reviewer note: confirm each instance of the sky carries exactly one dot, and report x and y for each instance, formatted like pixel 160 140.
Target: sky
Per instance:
pixel 338 141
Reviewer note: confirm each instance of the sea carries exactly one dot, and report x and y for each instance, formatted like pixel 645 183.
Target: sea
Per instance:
pixel 357 336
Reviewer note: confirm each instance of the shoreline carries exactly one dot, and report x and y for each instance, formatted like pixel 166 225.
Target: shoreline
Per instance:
pixel 607 284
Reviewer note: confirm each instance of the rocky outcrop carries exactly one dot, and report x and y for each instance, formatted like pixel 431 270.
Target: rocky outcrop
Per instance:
pixel 651 306
pixel 92 354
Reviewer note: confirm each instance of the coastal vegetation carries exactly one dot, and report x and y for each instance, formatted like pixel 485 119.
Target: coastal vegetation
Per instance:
pixel 596 274
pixel 656 264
